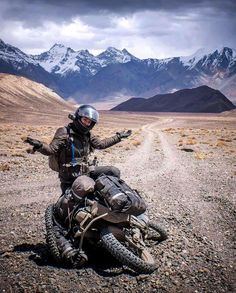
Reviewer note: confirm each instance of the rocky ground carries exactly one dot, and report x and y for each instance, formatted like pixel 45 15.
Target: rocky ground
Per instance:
pixel 184 165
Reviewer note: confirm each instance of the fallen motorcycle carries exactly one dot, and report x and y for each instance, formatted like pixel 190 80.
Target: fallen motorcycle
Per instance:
pixel 126 237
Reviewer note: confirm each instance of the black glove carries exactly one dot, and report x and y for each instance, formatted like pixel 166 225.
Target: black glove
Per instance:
pixel 124 134
pixel 34 142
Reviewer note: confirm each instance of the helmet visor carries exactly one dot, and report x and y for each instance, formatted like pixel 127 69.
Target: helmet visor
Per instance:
pixel 90 113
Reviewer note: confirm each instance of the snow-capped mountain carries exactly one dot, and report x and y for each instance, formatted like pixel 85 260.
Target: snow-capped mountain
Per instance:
pixel 15 56
pixel 112 56
pixel 83 76
pixel 14 61
pixel 212 62
pixel 62 60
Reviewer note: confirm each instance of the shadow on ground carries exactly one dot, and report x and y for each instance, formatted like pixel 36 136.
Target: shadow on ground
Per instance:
pixel 99 260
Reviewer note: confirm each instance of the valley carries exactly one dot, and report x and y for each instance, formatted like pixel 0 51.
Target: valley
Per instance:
pixel 183 165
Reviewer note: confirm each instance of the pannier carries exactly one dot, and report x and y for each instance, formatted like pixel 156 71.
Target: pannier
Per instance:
pixel 119 196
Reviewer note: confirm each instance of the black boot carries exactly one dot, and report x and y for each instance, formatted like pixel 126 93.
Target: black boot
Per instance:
pixel 64 245
pixel 68 252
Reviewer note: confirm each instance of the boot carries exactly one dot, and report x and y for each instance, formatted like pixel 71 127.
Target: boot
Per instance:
pixel 74 256
pixel 64 245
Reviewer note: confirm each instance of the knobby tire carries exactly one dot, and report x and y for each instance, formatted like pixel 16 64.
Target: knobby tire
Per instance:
pixel 124 255
pixel 50 234
pixel 162 234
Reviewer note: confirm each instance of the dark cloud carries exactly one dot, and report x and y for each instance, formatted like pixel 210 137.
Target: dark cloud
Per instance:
pixel 151 28
pixel 85 6
pixel 35 12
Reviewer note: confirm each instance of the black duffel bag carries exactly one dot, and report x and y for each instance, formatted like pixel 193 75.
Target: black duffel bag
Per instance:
pixel 119 196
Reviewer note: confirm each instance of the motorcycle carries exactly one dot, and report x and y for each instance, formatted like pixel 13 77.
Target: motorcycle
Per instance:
pixel 126 237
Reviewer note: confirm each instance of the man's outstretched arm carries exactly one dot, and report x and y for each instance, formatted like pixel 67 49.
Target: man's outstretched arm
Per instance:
pixel 98 143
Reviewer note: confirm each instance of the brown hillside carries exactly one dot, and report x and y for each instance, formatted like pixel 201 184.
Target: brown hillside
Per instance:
pixel 25 97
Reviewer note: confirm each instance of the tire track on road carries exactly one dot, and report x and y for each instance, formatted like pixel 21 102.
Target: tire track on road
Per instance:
pixel 180 190
pixel 144 154
pixel 168 180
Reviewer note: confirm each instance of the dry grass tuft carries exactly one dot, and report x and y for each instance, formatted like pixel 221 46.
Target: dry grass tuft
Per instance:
pixel 191 141
pixel 136 143
pixel 225 139
pixel 221 143
pixel 232 151
pixel 169 130
pixel 4 167
pixel 18 154
pixel 180 142
pixel 200 156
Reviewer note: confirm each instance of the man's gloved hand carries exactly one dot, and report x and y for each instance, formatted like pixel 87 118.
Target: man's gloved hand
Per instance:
pixel 124 134
pixel 37 144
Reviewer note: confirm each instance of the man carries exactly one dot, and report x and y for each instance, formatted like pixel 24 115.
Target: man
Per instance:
pixel 73 144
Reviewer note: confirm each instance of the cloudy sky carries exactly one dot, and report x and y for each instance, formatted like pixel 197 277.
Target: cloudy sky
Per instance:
pixel 146 28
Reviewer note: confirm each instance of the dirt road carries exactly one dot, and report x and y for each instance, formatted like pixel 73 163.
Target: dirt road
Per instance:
pixel 193 199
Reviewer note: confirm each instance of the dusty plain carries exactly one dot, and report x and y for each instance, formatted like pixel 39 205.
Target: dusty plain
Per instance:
pixel 183 164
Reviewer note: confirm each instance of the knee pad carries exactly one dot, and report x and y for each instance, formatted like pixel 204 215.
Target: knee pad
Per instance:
pixel 115 172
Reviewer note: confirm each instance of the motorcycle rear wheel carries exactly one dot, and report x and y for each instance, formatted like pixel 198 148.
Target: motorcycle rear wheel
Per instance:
pixel 50 234
pixel 124 254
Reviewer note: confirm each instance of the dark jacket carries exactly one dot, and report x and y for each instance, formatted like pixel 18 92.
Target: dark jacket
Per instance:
pixel 83 143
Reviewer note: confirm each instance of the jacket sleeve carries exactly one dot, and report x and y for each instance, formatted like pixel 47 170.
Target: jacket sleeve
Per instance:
pixel 59 141
pixel 97 143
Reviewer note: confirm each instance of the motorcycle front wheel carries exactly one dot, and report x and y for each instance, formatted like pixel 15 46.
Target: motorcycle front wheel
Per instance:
pixel 124 254
pixel 51 235
pixel 156 232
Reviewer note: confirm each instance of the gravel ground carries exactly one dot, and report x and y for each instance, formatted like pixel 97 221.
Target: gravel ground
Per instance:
pixel 190 190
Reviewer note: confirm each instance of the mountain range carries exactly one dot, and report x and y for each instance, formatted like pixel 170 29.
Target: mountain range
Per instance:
pixel 117 73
